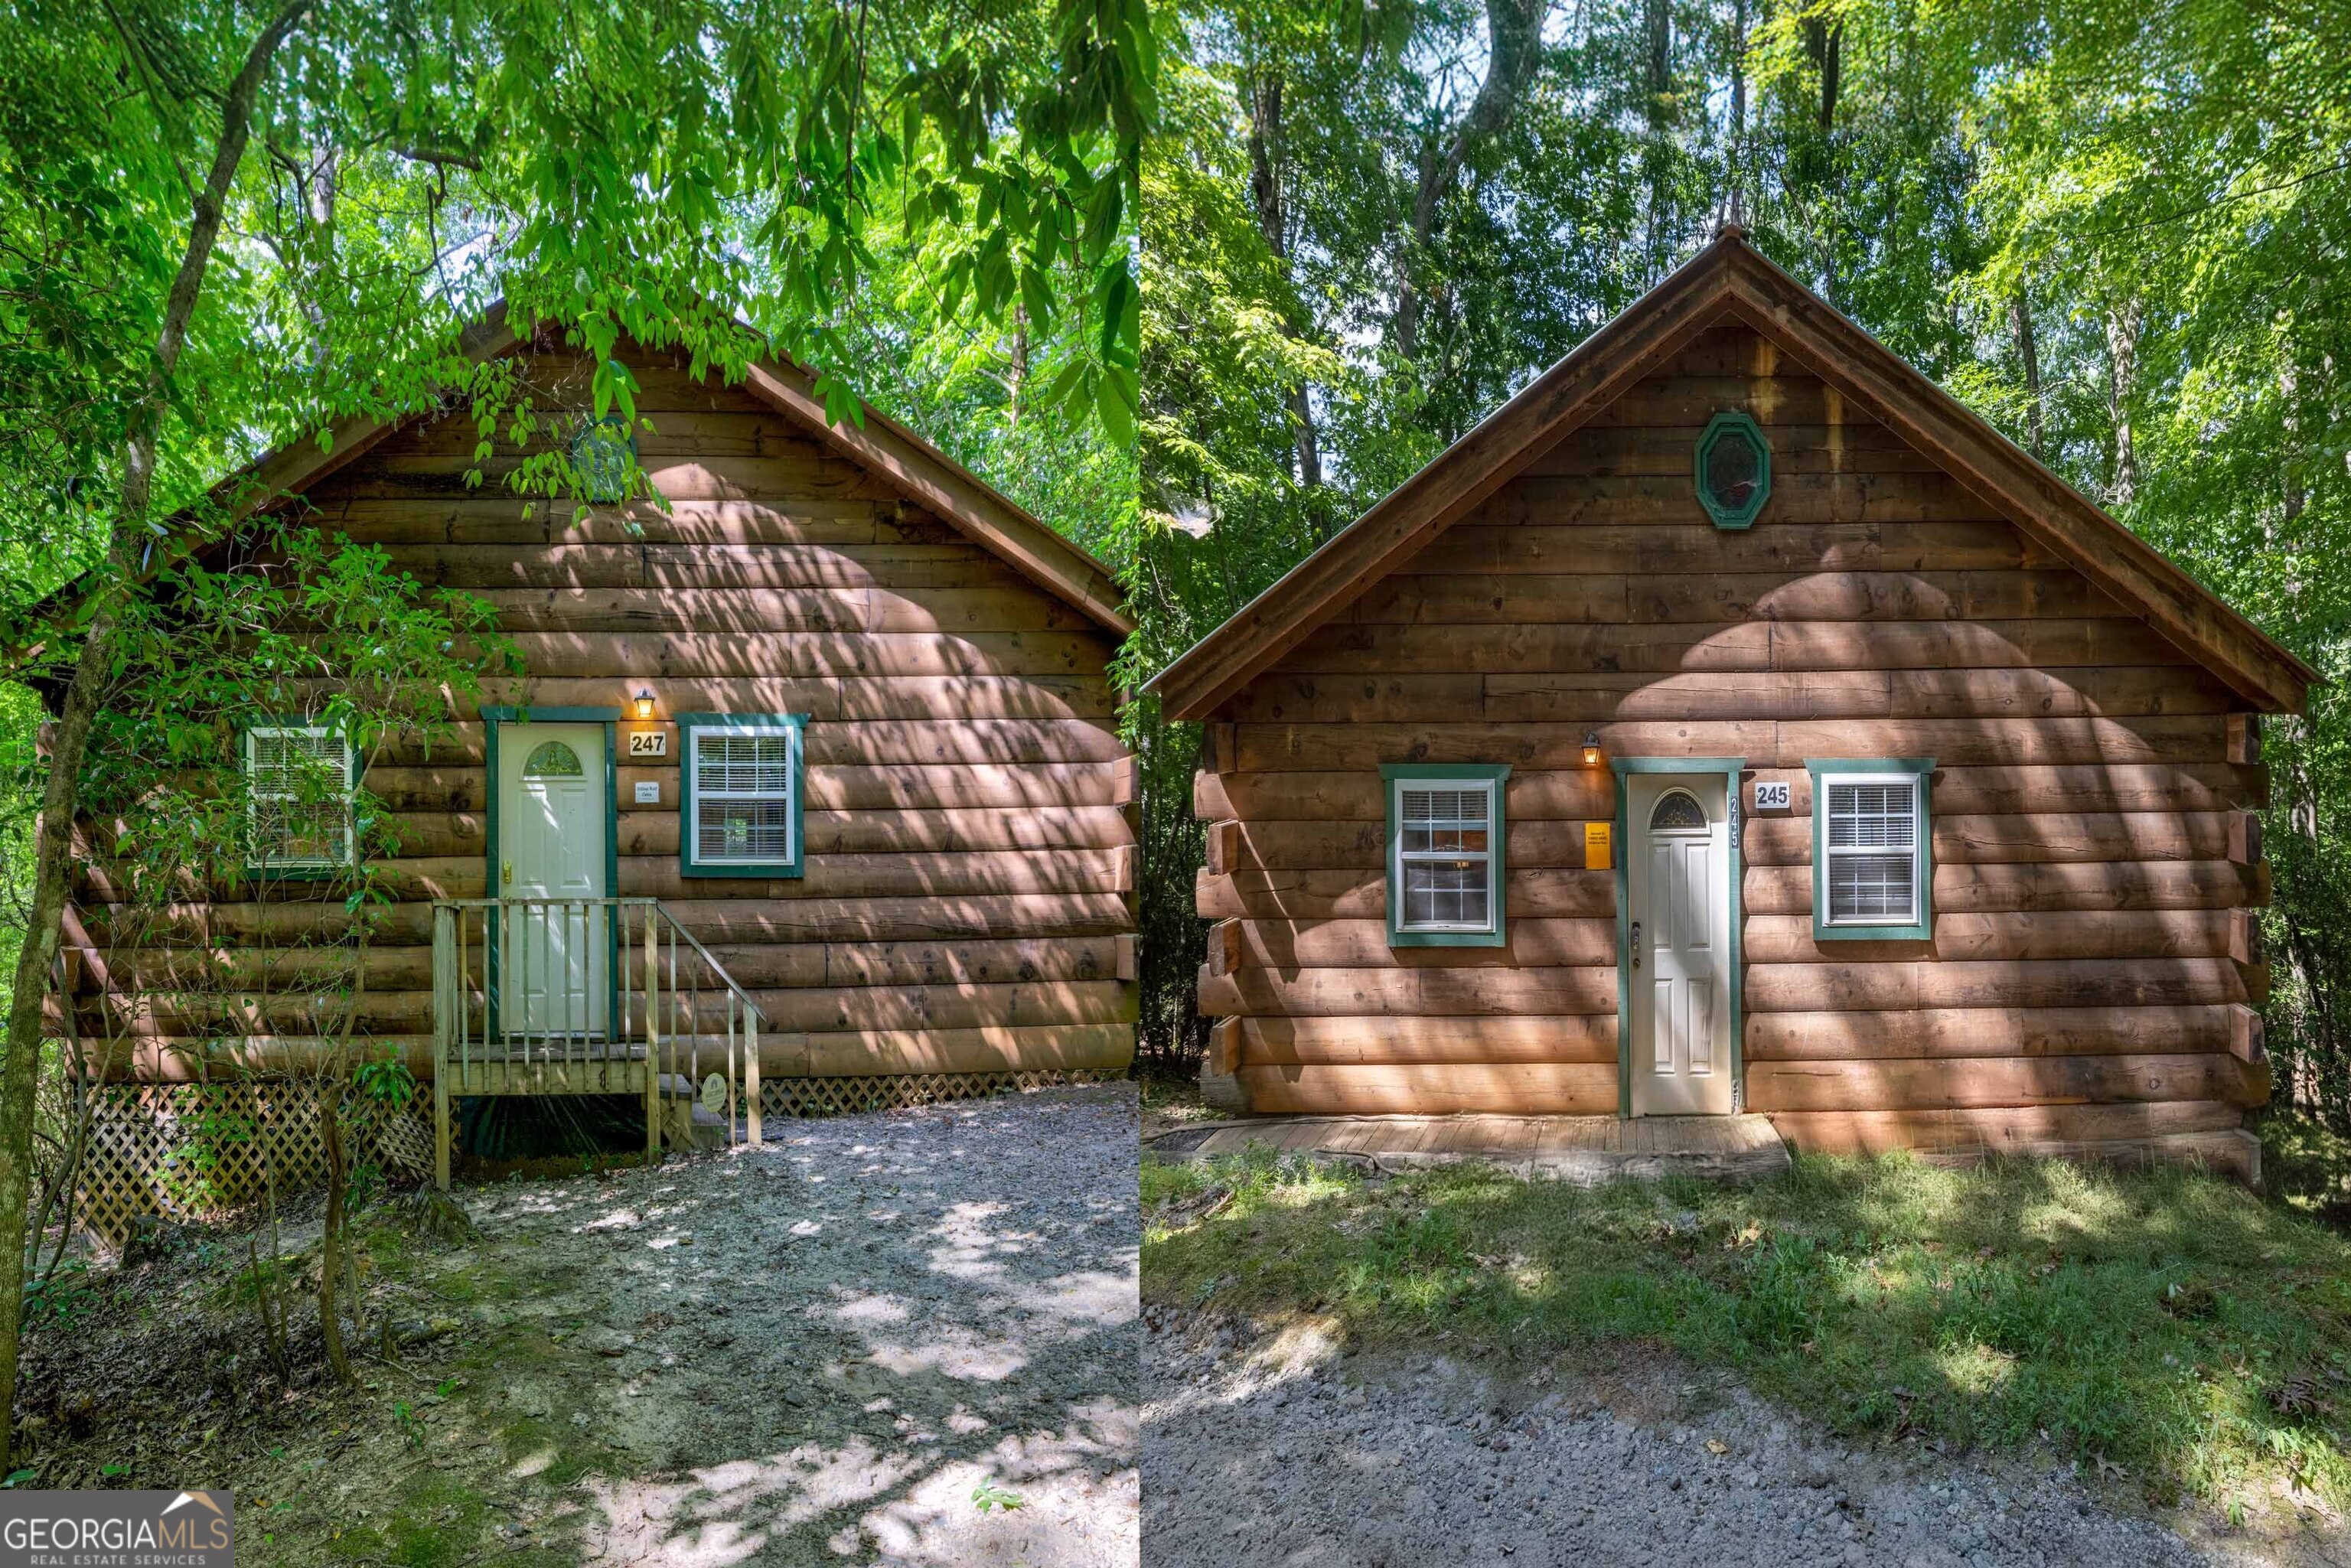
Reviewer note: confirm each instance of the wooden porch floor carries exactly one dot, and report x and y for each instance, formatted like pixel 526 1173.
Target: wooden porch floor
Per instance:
pixel 1585 1150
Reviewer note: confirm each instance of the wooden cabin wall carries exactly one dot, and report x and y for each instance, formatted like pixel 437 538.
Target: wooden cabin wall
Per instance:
pixel 2094 959
pixel 968 856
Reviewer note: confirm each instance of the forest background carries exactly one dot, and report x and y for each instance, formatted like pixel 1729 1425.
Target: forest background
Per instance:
pixel 2114 229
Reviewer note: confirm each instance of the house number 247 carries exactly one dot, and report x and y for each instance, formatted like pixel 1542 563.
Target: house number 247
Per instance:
pixel 649 742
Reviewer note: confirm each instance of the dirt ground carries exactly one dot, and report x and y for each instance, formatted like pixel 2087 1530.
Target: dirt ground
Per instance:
pixel 908 1338
pixel 1275 1448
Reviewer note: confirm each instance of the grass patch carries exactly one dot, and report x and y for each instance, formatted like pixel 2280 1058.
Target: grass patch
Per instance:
pixel 437 1524
pixel 2165 1322
pixel 2306 1166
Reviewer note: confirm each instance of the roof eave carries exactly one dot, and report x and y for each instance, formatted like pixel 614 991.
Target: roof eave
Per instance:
pixel 968 503
pixel 1731 277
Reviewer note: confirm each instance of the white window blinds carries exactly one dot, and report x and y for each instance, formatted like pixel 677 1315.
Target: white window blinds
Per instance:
pixel 743 806
pixel 298 796
pixel 1445 857
pixel 1872 845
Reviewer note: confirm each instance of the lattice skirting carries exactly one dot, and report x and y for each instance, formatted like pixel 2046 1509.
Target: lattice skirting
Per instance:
pixel 892 1091
pixel 189 1151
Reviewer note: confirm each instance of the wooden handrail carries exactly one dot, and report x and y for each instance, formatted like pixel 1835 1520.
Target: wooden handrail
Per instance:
pixel 594 1021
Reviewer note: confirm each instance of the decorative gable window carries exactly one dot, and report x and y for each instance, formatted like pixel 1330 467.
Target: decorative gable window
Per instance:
pixel 1445 854
pixel 741 806
pixel 298 794
pixel 1872 866
pixel 1733 470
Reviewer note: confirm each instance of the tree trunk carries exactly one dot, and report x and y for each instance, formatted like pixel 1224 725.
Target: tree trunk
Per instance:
pixel 60 799
pixel 1824 42
pixel 1264 90
pixel 1514 47
pixel 1657 85
pixel 1734 172
pixel 2028 351
pixel 2290 488
pixel 2122 360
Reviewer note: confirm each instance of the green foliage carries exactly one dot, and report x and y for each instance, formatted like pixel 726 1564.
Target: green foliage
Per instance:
pixel 988 1497
pixel 386 1081
pixel 2168 1322
pixel 60 1298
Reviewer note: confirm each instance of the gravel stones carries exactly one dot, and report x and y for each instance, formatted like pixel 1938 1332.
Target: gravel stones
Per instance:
pixel 1280 1452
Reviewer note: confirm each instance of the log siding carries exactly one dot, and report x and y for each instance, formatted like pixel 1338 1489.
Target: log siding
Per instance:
pixel 2091 858
pixel 963 900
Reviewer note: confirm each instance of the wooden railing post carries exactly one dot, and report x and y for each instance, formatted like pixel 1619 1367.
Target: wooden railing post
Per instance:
pixel 653 1034
pixel 447 999
pixel 751 1070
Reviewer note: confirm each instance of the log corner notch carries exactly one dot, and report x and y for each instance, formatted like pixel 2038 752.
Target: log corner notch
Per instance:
pixel 1221 1084
pixel 1223 846
pixel 2245 739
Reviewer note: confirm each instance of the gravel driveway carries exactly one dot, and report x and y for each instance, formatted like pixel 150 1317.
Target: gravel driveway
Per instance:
pixel 1283 1453
pixel 814 1353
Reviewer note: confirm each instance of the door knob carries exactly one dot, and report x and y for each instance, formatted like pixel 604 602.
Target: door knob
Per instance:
pixel 509 873
pixel 1636 944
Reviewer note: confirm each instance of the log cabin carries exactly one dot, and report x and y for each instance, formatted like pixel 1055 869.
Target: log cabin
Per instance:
pixel 1732 722
pixel 826 735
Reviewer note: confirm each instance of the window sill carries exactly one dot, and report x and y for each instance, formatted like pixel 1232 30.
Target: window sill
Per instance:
pixel 769 870
pixel 1920 931
pixel 1445 939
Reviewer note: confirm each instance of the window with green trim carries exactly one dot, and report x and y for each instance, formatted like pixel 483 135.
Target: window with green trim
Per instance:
pixel 741 802
pixel 1445 854
pixel 1733 469
pixel 1873 869
pixel 297 798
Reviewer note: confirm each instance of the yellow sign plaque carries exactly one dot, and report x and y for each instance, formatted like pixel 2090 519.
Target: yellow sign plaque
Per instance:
pixel 1595 846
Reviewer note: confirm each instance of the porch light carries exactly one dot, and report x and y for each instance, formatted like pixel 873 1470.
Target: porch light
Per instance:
pixel 644 705
pixel 1592 748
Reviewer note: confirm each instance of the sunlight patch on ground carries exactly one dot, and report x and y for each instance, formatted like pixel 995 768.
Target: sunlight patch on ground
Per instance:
pixel 1089 1296
pixel 861 1308
pixel 955 1354
pixel 1974 1369
pixel 725 1513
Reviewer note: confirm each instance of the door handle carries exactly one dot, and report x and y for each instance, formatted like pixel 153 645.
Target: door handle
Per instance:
pixel 508 878
pixel 1636 944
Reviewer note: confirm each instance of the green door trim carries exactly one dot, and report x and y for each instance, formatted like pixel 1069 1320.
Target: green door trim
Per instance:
pixel 492 719
pixel 1730 767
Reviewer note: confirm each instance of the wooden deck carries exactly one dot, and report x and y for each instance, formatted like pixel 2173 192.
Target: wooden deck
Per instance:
pixel 1586 1150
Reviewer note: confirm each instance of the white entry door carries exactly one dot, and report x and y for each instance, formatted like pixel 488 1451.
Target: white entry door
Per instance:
pixel 1678 871
pixel 552 959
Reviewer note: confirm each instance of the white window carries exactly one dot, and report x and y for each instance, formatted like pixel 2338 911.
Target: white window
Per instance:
pixel 1444 869
pixel 298 796
pixel 1871 868
pixel 745 780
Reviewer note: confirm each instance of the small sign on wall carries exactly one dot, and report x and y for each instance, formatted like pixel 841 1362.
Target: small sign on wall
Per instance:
pixel 649 793
pixel 1596 846
pixel 649 742
pixel 1771 796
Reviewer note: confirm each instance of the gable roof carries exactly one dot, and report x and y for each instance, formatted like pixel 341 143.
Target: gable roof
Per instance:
pixel 1731 280
pixel 881 445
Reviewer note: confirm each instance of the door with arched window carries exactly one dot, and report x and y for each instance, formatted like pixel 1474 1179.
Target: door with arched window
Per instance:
pixel 1677 877
pixel 550 847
